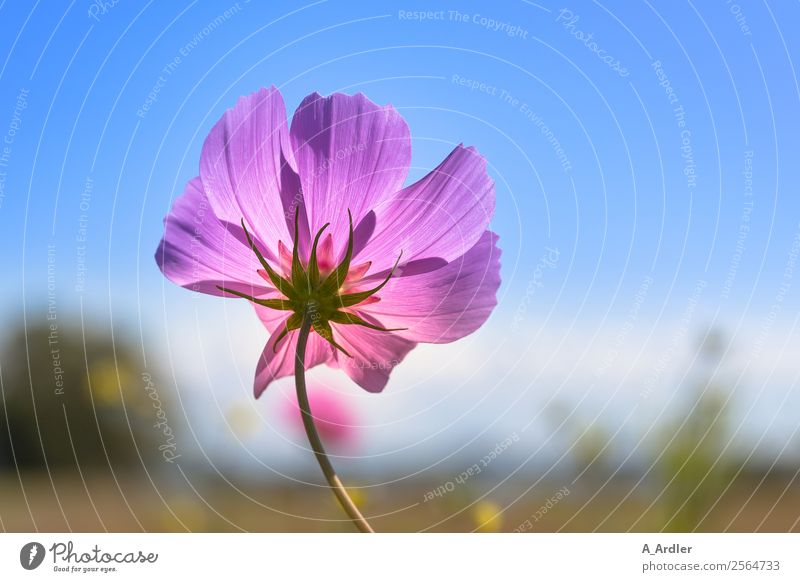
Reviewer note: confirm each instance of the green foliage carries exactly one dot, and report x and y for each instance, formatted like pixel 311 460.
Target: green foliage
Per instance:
pixel 694 467
pixel 70 397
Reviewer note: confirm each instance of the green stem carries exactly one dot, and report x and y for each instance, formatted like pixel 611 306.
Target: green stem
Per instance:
pixel 313 436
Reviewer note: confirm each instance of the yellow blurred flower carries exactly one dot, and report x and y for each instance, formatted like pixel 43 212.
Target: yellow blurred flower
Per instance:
pixel 487 517
pixel 242 419
pixel 184 513
pixel 105 380
pixel 358 495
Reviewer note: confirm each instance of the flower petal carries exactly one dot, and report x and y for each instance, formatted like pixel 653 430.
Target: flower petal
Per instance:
pixel 350 154
pixel 200 252
pixel 441 216
pixel 274 364
pixel 374 354
pixel 445 304
pixel 245 169
pixel 272 319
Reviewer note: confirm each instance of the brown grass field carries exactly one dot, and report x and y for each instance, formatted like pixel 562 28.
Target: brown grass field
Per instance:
pixel 130 504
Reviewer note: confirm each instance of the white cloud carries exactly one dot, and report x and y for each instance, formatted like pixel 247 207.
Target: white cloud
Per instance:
pixel 481 389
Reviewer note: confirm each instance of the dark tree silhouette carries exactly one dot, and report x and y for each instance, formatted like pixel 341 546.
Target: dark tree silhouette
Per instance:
pixel 70 397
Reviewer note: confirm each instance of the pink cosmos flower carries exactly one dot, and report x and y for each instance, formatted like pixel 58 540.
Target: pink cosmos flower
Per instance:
pixel 334 417
pixel 313 218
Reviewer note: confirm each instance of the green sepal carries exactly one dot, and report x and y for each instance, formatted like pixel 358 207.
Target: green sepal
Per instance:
pixel 351 299
pixel 323 329
pixel 298 274
pixel 294 321
pixel 307 295
pixel 280 283
pixel 346 318
pixel 280 304
pixel 313 264
pixel 336 279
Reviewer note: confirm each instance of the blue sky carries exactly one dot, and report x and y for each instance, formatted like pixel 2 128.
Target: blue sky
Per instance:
pixel 592 157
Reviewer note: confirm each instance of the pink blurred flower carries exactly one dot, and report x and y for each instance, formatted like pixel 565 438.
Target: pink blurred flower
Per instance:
pixel 314 217
pixel 334 416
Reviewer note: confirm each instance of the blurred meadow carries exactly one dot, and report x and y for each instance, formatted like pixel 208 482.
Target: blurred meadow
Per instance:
pixel 93 459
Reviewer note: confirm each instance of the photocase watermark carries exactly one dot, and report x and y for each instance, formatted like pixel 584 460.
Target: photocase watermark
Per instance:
pixel 551 502
pixel 677 341
pixel 744 226
pixel 98 8
pixel 71 560
pixel 326 164
pixel 476 85
pixel 196 248
pixel 475 469
pixel 741 20
pixel 780 295
pixel 569 20
pixel 630 318
pixel 545 130
pixel 31 555
pixel 168 448
pixel 315 316
pixel 10 135
pixel 510 30
pixel 52 319
pixel 339 155
pixel 475 19
pixel 549 260
pixel 421 15
pixel 679 113
pixel 169 69
pixel 81 235
pixel 294 204
pixel 374 365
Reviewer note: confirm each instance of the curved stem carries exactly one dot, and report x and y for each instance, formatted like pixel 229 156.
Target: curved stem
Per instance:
pixel 313 437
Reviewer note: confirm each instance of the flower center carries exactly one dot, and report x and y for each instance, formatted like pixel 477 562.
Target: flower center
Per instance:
pixel 323 297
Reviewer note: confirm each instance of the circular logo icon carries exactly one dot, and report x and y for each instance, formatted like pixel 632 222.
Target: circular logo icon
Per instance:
pixel 31 555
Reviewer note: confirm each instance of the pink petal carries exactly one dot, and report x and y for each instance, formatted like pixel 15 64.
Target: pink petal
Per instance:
pixel 445 304
pixel 375 354
pixel 244 170
pixel 325 259
pixel 273 365
pixel 271 318
pixel 355 275
pixel 443 215
pixel 199 252
pixel 350 154
pixel 284 260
